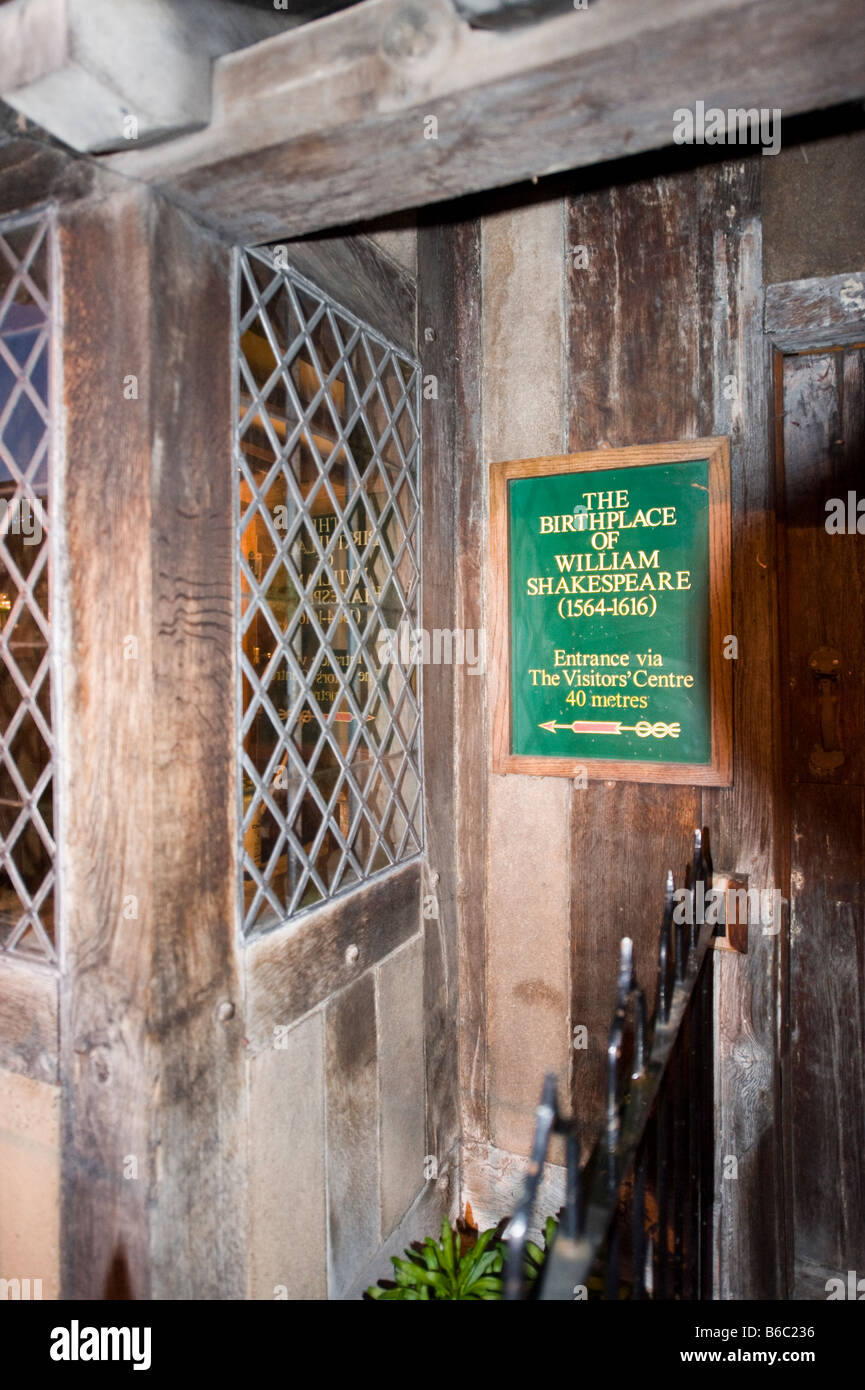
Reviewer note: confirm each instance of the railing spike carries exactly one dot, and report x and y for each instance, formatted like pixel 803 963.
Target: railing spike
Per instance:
pixel 637 1125
pixel 665 946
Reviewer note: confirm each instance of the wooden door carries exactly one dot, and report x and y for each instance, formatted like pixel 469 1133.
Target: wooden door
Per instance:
pixel 820 410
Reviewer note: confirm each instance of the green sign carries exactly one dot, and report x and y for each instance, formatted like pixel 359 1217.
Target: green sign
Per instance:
pixel 609 582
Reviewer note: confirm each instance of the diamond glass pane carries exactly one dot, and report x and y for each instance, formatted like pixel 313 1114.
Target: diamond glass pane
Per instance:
pixel 328 578
pixel 26 739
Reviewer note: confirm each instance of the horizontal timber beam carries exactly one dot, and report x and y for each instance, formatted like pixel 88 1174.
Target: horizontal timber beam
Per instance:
pixel 331 124
pixel 82 69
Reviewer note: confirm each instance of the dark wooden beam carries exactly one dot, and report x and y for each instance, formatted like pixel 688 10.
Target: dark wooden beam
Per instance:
pixel 151 1050
pixel 509 14
pixel 332 123
pixel 108 1068
pixel 437 309
pixel 802 314
pixel 744 818
pixel 195 1019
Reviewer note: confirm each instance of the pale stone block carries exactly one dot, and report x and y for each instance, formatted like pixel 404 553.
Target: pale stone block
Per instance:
pixel 401 1082
pixel 351 1073
pixel 286 1165
pixel 524 265
pixel 30 1182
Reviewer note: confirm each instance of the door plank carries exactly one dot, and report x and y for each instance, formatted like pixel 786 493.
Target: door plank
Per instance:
pixel 751 1236
pixel 824 435
pixel 828 989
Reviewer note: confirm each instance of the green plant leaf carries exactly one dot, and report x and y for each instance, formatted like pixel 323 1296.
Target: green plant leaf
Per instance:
pixel 403 1276
pixel 433 1278
pixel 437 1270
pixel 472 1257
pixel 481 1267
pixel 431 1254
pixel 447 1248
pixel 488 1288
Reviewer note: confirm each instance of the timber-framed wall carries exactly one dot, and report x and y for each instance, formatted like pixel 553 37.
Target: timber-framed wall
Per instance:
pixel 199 1080
pixel 164 1022
pixel 651 364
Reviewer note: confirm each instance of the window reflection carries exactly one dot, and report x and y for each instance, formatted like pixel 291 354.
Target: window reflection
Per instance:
pixel 328 444
pixel 26 743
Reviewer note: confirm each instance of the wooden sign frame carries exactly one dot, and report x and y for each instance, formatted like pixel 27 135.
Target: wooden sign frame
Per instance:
pixel 718 771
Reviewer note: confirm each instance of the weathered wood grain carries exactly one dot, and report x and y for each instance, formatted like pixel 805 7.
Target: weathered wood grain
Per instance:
pixel 29 1019
pixel 32 171
pixel 635 376
pixel 495 1180
pixel 827 955
pixel 470 719
pixel 326 126
pixel 291 971
pixel 109 1070
pixel 195 1006
pixel 152 1063
pixel 436 308
pixel 354 272
pixel 745 820
pixel 821 412
pixel 823 406
pixel 804 314
pixel 78 74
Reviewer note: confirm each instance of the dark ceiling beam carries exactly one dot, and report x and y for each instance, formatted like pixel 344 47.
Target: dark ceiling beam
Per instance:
pixel 510 14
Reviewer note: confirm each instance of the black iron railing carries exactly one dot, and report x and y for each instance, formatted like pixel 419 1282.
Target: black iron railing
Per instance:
pixel 637 1220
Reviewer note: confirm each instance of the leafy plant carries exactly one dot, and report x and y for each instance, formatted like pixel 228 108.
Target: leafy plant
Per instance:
pixel 443 1270
pixel 534 1256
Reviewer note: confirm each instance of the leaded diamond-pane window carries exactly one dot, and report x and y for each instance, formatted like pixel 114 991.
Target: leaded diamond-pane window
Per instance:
pixel 26 740
pixel 328 567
